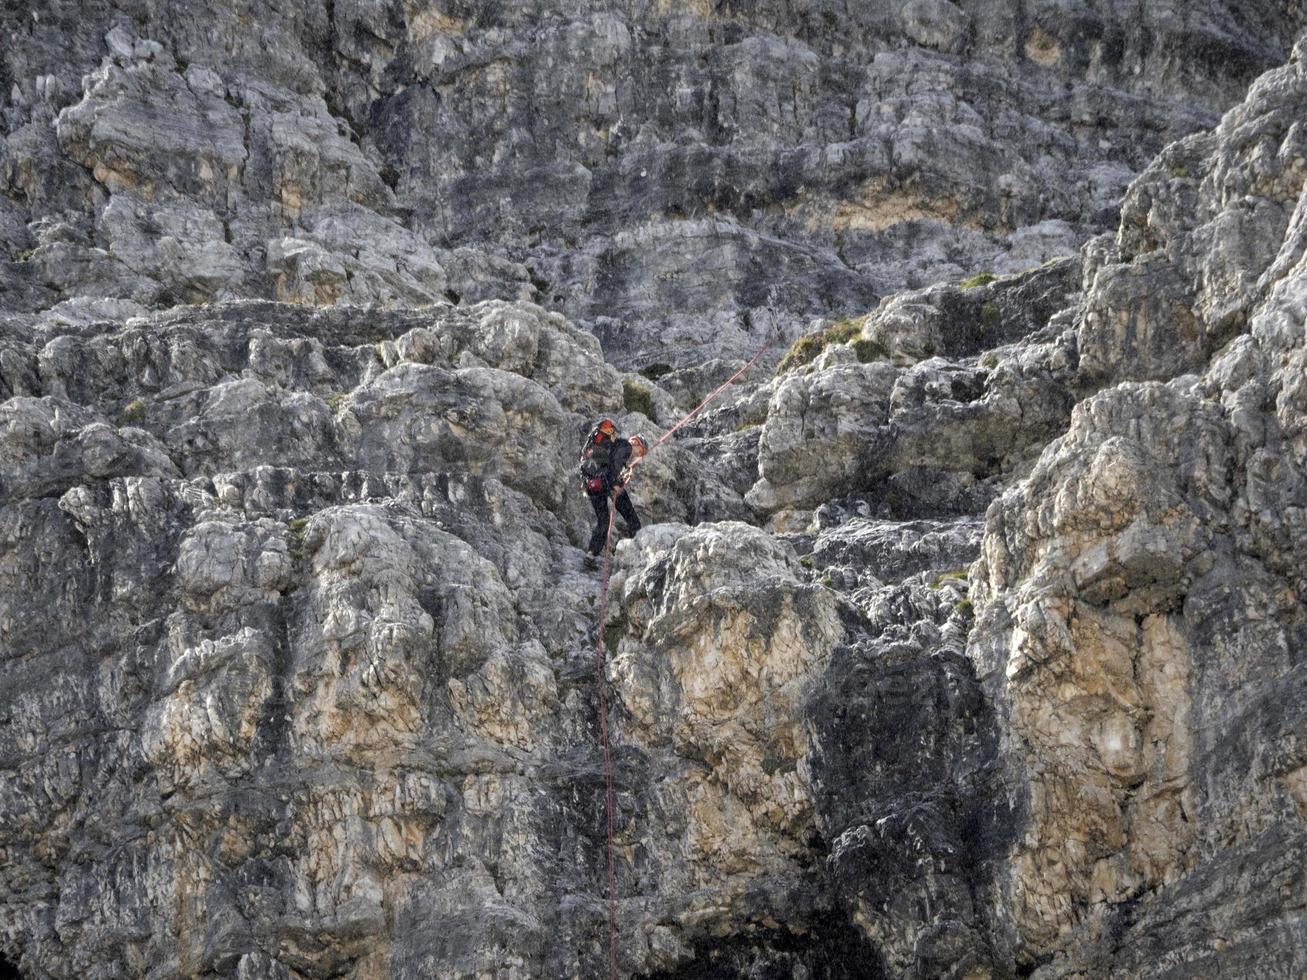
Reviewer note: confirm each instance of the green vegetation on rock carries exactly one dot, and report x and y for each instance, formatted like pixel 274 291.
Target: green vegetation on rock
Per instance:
pixel 842 331
pixel 637 398
pixel 806 349
pixel 957 574
pixel 869 350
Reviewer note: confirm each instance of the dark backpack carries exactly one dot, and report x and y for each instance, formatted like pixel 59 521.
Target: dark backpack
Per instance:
pixel 597 456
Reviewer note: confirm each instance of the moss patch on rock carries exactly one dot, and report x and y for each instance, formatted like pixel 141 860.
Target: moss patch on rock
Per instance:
pixel 806 348
pixel 869 350
pixel 637 398
pixel 133 411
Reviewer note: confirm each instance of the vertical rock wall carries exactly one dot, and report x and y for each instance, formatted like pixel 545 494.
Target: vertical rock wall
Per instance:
pixel 963 639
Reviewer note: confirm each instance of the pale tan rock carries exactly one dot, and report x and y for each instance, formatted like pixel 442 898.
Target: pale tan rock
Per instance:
pixel 719 642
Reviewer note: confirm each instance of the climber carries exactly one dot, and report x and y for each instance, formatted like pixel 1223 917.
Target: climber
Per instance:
pixel 606 462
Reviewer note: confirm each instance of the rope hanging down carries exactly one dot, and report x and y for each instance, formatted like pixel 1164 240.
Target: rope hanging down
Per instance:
pixel 600 652
pixel 608 756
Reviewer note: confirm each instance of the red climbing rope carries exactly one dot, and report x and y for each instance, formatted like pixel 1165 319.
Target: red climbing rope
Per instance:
pixel 608 756
pixel 600 658
pixel 715 392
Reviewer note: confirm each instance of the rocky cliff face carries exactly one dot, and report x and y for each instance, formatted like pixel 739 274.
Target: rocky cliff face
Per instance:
pixel 676 165
pixel 1145 583
pixel 962 642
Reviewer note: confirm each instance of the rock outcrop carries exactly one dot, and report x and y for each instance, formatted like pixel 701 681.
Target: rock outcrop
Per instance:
pixel 962 640
pixel 1144 584
pixel 676 166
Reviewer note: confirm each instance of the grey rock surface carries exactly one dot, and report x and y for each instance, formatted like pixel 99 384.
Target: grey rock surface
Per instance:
pixel 656 171
pixel 963 637
pixel 908 409
pixel 1134 568
pixel 361 637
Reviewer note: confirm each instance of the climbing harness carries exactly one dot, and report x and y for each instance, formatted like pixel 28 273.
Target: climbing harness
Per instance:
pixel 600 649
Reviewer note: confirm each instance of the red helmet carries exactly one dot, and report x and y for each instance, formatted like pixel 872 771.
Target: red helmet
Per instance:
pixel 607 427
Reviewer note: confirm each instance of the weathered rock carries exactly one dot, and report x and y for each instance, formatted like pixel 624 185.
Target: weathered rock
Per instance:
pixel 681 167
pixel 717 644
pixel 50 445
pixel 1133 587
pixel 855 420
pixel 343 545
pixel 297 642
pixel 1193 256
pixel 823 432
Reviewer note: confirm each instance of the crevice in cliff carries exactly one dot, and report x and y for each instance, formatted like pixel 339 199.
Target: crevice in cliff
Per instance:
pixel 834 950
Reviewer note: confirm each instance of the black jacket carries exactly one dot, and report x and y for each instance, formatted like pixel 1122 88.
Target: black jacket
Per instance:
pixel 606 460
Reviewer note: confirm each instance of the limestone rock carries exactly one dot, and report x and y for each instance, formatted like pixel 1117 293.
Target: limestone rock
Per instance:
pixel 966 647
pixel 771 158
pixel 887 411
pixel 1122 576
pixel 698 690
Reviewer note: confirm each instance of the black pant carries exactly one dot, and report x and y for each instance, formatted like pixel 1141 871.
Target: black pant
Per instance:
pixel 599 501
